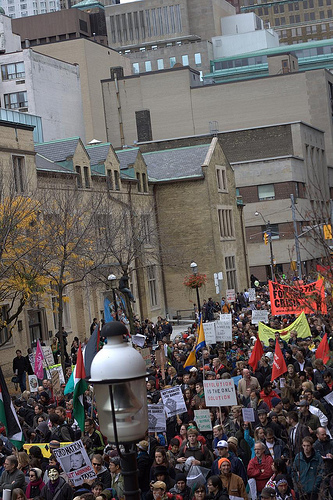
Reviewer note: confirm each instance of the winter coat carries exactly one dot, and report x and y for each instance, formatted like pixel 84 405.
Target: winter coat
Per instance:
pixel 12 480
pixel 144 463
pixel 254 470
pixel 34 488
pixel 237 467
pixel 62 492
pixel 234 486
pixel 199 452
pixel 220 495
pixel 307 473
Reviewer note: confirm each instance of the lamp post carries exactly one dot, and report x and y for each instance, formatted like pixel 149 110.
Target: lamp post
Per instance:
pixel 113 280
pixel 194 268
pixel 118 374
pixel 269 233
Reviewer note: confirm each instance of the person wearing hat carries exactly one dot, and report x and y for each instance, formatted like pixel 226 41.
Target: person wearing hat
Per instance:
pixel 159 490
pixel 307 418
pixel 282 488
pixel 233 483
pixel 268 493
pixel 180 487
pixel 161 474
pixel 237 466
pixel 144 463
pixel 267 394
pixel 117 479
pixel 35 484
pixel 265 421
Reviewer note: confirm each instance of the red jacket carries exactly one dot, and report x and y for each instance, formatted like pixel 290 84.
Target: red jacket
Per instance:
pixel 254 469
pixel 267 398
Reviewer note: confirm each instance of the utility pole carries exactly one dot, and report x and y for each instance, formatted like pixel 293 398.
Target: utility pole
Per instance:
pixel 269 232
pixel 298 253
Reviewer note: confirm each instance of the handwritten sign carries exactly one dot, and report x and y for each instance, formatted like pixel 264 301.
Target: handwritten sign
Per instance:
pixel 145 353
pixel 252 294
pixel 209 330
pixel 48 356
pixel 223 328
pixel 156 418
pixel 258 316
pixel 230 295
pixel 220 392
pixel 173 401
pixel 56 383
pixel 203 420
pixel 248 414
pixel 160 358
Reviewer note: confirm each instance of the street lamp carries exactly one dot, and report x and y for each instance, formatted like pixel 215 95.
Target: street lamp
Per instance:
pixel 118 374
pixel 194 268
pixel 113 280
pixel 269 233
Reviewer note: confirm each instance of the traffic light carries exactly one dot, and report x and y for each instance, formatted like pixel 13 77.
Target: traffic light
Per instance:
pixel 327 231
pixel 266 238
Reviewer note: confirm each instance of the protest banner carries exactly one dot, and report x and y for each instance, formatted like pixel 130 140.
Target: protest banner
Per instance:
pixel 300 325
pixel 230 295
pixel 45 448
pixel 48 356
pixel 223 328
pixel 209 331
pixel 258 316
pixel 74 460
pixel 203 420
pixel 145 353
pixel 173 401
pixel 248 415
pixel 296 299
pixel 220 392
pixel 252 294
pixel 156 418
pixel 61 373
pixel 56 383
pixel 33 383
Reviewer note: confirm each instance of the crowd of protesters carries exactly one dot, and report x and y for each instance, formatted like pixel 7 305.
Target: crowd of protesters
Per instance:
pixel 286 453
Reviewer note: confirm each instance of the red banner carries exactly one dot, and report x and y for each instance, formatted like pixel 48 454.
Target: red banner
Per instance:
pixel 295 299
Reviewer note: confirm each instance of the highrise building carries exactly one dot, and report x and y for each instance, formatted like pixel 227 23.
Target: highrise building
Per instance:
pixel 25 8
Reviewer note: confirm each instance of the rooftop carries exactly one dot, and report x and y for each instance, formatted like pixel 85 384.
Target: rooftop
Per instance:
pixel 59 150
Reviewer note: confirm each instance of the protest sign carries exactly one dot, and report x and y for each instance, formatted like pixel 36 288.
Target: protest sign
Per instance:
pixel 160 358
pixel 31 360
pixel 230 295
pixel 252 294
pixel 61 373
pixel 33 383
pixel 300 325
pixel 329 398
pixel 209 331
pixel 220 392
pixel 145 353
pixel 45 448
pixel 48 356
pixel 258 316
pixel 56 383
pixel 223 328
pixel 203 420
pixel 156 418
pixel 173 401
pixel 287 299
pixel 248 415
pixel 75 462
pixel 139 340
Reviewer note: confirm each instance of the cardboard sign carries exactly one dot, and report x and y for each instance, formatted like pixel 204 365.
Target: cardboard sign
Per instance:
pixel 230 295
pixel 252 294
pixel 248 415
pixel 220 392
pixel 145 353
pixel 75 462
pixel 61 373
pixel 173 401
pixel 209 331
pixel 56 383
pixel 223 328
pixel 259 316
pixel 156 418
pixel 203 420
pixel 48 356
pixel 160 358
pixel 296 299
pixel 33 383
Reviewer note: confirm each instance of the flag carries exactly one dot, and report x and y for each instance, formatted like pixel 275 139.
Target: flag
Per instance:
pixel 8 415
pixel 191 360
pixel 80 385
pixel 301 326
pixel 69 388
pixel 279 364
pixel 91 349
pixel 256 355
pixel 201 337
pixel 39 358
pixel 323 350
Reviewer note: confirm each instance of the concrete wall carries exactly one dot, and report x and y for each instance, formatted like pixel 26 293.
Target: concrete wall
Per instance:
pixel 240 23
pixel 231 45
pixel 9 42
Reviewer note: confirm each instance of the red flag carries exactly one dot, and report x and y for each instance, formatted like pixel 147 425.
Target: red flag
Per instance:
pixel 322 351
pixel 279 364
pixel 256 355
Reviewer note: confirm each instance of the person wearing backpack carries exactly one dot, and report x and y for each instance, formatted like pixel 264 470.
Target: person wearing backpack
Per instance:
pixel 193 448
pixel 66 431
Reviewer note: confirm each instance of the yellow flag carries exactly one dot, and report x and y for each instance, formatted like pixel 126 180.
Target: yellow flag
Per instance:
pixel 300 325
pixel 191 360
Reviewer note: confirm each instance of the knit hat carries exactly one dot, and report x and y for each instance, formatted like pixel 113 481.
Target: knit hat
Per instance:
pixel 233 440
pixel 37 471
pixel 160 469
pixel 180 477
pixel 280 479
pixel 54 444
pixel 276 401
pixel 268 493
pixel 220 462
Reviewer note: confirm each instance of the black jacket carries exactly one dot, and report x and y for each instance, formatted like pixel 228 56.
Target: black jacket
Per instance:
pixel 144 463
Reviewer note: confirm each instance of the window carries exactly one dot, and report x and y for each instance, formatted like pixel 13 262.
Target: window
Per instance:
pixel 197 59
pixel 16 100
pixel 117 180
pixel 145 228
pixel 185 61
pixel 266 192
pixel 152 285
pixel 4 332
pixel 24 6
pixel 230 270
pixel 138 178
pixel 160 64
pixel 172 62
pixel 136 68
pixel 86 177
pixel 148 65
pixel 79 177
pixel 221 178
pixel 109 180
pixel 226 223
pixel 322 14
pixel 144 183
pixel 19 174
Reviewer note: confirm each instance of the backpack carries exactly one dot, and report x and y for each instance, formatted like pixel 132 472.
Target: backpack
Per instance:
pixel 70 430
